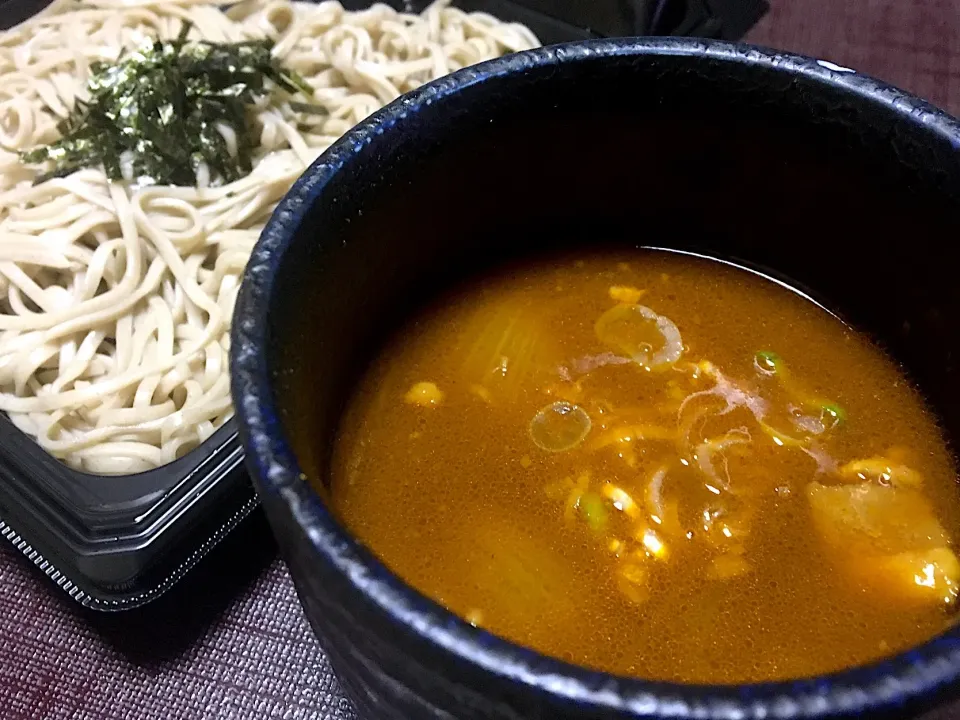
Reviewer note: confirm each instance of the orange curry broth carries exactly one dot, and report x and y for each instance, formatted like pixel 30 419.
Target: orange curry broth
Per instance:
pixel 776 558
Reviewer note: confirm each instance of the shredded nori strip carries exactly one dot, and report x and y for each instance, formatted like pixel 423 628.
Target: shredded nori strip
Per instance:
pixel 159 107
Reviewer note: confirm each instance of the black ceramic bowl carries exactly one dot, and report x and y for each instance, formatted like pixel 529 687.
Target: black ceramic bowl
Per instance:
pixel 845 186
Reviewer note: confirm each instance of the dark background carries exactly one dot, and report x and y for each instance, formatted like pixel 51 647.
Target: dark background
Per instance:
pixel 230 641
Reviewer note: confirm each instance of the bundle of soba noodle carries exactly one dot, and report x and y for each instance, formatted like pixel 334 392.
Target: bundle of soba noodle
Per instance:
pixel 116 295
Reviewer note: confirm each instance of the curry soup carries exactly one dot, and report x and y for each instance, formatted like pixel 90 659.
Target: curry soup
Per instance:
pixel 655 465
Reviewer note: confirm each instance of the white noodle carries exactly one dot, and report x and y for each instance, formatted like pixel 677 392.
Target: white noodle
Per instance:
pixel 115 302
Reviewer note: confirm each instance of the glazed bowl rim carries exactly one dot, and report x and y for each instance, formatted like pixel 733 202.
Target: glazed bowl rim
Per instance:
pixel 883 684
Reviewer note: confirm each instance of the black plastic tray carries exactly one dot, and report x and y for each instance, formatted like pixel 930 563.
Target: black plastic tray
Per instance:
pixel 118 542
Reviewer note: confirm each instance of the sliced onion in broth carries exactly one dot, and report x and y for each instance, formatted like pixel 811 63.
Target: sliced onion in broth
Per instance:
pixel 651 340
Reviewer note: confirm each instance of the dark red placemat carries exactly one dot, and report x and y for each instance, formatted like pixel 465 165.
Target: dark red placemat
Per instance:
pixel 230 641
pixel 914 44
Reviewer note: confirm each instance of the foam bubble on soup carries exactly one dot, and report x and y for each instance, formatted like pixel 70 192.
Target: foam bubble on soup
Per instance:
pixel 603 488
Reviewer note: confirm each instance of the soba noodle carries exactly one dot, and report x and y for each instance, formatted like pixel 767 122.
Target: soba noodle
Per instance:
pixel 115 301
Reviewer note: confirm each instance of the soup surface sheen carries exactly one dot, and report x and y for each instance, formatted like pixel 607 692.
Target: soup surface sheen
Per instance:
pixel 655 465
